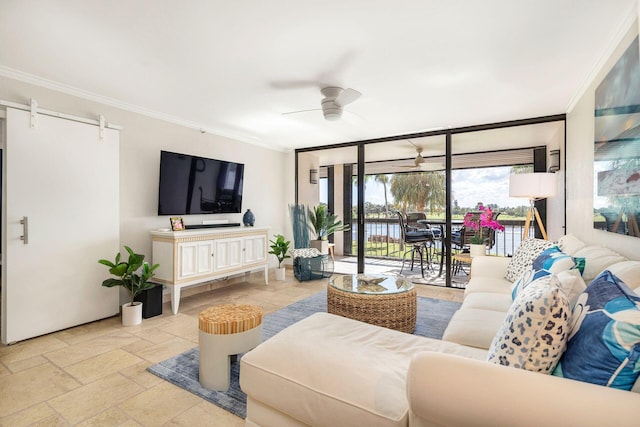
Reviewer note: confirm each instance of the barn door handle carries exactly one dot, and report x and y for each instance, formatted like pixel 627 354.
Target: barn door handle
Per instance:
pixel 25 230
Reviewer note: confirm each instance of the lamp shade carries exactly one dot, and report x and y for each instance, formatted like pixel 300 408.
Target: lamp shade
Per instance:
pixel 533 185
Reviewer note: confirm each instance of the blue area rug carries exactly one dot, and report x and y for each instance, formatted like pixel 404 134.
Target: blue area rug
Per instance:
pixel 182 370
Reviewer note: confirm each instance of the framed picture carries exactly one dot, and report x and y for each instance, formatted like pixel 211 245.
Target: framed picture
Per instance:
pixel 177 224
pixel 616 195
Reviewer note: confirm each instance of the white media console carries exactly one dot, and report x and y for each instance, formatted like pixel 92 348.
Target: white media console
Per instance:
pixel 196 256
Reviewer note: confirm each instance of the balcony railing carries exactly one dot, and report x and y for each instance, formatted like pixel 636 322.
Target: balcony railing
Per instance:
pixel 383 238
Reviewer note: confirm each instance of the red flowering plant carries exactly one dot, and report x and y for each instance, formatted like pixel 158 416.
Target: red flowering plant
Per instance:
pixel 478 224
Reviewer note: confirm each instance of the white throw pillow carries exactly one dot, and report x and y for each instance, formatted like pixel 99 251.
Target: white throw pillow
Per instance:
pixel 524 256
pixel 572 285
pixel 570 281
pixel 535 332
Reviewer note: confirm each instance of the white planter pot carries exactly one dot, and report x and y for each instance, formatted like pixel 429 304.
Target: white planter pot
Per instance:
pixel 280 273
pixel 321 245
pixel 131 314
pixel 477 250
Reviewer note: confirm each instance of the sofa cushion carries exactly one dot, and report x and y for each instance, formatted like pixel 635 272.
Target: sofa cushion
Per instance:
pixel 473 327
pixel 483 284
pixel 488 301
pixel 628 272
pixel 523 257
pixel 570 244
pixel 327 370
pixel 597 259
pixel 604 346
pixel 535 331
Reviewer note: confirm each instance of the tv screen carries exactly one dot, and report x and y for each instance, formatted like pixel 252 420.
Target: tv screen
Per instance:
pixel 197 185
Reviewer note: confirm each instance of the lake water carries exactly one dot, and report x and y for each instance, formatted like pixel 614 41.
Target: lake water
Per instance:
pixel 506 240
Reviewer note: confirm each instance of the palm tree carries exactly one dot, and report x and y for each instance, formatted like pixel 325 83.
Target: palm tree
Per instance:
pixel 419 189
pixel 435 182
pixel 384 180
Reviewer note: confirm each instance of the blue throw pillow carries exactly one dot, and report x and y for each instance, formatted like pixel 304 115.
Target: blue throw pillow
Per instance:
pixel 551 260
pixel 555 261
pixel 604 345
pixel 527 277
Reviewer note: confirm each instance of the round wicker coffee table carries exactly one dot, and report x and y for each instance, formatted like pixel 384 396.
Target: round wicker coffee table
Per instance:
pixel 386 301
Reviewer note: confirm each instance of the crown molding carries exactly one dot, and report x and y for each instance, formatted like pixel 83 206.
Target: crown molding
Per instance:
pixel 615 39
pixel 94 97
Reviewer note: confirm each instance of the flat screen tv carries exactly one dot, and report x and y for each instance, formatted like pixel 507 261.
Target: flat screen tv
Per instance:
pixel 192 185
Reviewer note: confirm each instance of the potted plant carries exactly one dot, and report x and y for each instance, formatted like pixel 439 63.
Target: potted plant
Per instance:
pixel 477 243
pixel 279 248
pixel 133 280
pixel 323 224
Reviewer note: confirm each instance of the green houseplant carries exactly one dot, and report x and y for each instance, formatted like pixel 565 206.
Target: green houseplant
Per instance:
pixel 133 275
pixel 279 248
pixel 324 224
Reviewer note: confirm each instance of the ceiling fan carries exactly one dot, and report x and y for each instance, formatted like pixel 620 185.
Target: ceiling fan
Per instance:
pixel 419 163
pixel 335 98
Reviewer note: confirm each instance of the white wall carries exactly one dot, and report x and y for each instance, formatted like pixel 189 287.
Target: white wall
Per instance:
pixel 308 194
pixel 580 146
pixel 555 205
pixel 266 187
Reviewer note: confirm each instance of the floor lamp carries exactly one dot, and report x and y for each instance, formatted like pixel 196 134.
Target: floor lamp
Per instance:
pixel 533 186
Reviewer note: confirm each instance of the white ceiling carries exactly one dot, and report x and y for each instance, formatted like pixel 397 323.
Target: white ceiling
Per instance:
pixel 233 67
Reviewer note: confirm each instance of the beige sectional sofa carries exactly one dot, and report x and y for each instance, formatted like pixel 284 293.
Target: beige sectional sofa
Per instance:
pixel 331 371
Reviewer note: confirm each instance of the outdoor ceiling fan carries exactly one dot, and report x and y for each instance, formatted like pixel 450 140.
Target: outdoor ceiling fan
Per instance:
pixel 334 100
pixel 419 163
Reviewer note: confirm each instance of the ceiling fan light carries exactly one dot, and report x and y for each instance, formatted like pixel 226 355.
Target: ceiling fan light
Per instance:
pixel 332 114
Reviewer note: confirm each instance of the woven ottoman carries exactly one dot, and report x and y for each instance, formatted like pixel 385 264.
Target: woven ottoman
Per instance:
pixel 224 331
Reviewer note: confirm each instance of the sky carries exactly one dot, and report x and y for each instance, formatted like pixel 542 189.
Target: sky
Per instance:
pixel 470 186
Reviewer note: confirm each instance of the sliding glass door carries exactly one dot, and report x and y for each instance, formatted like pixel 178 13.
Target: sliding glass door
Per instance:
pixel 432 180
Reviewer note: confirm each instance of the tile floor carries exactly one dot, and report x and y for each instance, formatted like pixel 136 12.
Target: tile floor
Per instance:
pixel 95 374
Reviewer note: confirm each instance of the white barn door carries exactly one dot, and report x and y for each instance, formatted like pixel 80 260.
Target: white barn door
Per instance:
pixel 65 181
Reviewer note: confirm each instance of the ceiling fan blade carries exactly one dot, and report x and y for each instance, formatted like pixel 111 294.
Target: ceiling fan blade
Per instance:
pixel 430 166
pixel 294 84
pixel 301 111
pixel 347 96
pixel 424 166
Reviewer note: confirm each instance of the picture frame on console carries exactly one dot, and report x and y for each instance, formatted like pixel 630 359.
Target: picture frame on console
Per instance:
pixel 177 224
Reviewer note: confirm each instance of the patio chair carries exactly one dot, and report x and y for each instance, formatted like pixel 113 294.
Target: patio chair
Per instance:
pixel 418 220
pixel 460 240
pixel 415 241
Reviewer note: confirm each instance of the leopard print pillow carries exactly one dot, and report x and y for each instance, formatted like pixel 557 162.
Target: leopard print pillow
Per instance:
pixel 536 329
